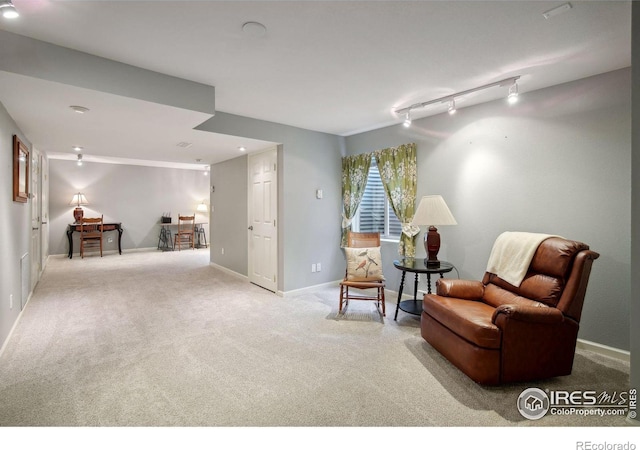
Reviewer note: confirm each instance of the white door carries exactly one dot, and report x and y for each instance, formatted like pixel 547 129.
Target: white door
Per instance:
pixel 263 212
pixel 36 203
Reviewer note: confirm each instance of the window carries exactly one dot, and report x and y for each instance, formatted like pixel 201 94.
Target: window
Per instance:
pixel 375 213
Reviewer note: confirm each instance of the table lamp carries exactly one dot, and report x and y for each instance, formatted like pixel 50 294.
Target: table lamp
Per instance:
pixel 432 211
pixel 78 199
pixel 202 207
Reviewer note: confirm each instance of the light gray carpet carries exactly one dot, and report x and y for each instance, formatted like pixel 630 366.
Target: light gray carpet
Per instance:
pixel 165 339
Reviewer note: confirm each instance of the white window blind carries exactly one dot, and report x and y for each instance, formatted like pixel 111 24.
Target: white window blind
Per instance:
pixel 375 213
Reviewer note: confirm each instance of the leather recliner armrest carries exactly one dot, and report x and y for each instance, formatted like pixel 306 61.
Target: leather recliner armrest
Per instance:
pixel 525 313
pixel 464 289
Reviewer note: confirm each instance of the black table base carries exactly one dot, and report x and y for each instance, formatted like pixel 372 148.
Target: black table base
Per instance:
pixel 416 266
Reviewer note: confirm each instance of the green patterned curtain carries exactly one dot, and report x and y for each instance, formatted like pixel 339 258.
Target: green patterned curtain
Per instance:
pixel 399 175
pixel 355 171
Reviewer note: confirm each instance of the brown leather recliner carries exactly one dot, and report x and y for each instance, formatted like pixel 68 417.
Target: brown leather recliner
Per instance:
pixel 498 333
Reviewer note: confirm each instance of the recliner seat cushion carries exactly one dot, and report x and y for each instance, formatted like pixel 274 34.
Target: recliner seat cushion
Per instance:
pixel 469 319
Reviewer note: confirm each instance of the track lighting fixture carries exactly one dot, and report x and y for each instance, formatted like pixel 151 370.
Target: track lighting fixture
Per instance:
pixel 513 93
pixel 8 10
pixel 80 159
pixel 512 97
pixel 407 119
pixel 452 107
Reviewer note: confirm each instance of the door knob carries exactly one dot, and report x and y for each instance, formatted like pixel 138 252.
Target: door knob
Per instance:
pixel 251 228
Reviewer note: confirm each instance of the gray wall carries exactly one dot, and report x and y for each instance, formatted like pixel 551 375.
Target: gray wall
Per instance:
pixel 557 162
pixel 309 230
pixel 15 223
pixel 229 220
pixel 135 195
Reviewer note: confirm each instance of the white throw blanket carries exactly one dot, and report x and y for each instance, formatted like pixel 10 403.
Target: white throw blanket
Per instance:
pixel 512 253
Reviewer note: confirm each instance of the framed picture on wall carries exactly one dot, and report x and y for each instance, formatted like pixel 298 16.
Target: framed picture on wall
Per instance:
pixel 20 171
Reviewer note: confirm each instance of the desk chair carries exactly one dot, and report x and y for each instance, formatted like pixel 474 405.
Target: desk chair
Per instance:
pixel 185 233
pixel 91 232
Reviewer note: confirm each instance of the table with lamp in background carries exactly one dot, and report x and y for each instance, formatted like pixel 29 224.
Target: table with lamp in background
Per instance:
pixel 432 211
pixel 165 241
pixel 78 200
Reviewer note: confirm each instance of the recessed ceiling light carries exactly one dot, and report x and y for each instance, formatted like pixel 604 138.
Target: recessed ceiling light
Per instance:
pixel 77 148
pixel 242 149
pixel 79 109
pixel 254 29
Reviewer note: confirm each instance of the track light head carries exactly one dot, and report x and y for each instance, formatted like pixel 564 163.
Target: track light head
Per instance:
pixel 407 119
pixel 452 107
pixel 8 10
pixel 513 93
pixel 80 159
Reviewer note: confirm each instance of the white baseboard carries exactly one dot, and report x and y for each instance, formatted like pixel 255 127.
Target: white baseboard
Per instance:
pixel 15 324
pixel 229 271
pixel 308 288
pixel 612 352
pixel 131 250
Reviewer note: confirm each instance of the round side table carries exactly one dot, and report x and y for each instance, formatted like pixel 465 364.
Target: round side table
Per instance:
pixel 417 266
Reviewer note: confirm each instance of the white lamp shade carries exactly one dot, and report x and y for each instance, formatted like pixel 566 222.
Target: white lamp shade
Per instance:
pixel 433 210
pixel 202 207
pixel 78 199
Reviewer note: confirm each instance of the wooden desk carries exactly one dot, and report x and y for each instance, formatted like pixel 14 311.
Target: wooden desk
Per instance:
pixel 106 227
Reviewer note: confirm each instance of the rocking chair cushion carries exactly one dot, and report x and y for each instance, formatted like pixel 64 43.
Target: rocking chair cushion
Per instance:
pixel 364 264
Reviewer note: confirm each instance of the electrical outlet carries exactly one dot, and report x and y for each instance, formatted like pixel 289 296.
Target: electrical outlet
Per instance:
pixel 10 301
pixel 110 240
pixel 313 268
pixel 222 251
pixel 319 267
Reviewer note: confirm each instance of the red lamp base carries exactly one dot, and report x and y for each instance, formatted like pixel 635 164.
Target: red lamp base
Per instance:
pixel 78 213
pixel 432 246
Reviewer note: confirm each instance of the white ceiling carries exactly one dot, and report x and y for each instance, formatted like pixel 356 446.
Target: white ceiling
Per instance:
pixel 340 67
